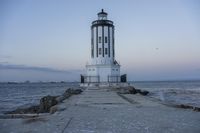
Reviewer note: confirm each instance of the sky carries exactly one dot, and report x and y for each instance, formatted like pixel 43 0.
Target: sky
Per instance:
pixel 49 40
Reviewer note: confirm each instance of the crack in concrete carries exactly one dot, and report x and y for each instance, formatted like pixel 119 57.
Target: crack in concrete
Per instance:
pixel 127 99
pixel 67 124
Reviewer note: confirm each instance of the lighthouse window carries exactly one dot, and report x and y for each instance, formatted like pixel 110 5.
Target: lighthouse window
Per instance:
pixel 99 39
pixel 92 52
pixel 106 39
pixel 99 50
pixel 106 50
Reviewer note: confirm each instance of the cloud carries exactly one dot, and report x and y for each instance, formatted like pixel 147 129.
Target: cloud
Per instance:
pixel 12 72
pixel 5 56
pixel 24 67
pixel 3 62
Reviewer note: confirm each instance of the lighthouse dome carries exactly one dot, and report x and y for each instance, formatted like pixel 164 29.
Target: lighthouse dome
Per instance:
pixel 102 15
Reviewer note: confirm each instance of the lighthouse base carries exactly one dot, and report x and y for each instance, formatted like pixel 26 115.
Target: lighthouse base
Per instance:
pixel 120 84
pixel 102 73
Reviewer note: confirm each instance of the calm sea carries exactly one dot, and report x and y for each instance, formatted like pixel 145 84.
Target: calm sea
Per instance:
pixel 13 96
pixel 179 92
pixel 17 95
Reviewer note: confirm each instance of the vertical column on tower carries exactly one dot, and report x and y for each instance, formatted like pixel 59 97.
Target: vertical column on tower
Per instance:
pixel 108 41
pixel 97 41
pixel 113 43
pixel 103 40
pixel 92 42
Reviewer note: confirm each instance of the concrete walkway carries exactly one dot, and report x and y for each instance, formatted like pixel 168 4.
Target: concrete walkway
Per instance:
pixel 100 110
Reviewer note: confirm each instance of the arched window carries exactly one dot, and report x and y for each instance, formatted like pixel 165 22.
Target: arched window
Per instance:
pixel 99 39
pixel 106 51
pixel 106 39
pixel 99 51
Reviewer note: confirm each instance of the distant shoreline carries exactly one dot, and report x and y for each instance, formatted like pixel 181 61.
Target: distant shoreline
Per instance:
pixel 138 81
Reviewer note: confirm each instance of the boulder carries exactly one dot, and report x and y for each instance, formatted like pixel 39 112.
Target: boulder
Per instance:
pixel 123 90
pixel 133 90
pixel 53 109
pixel 73 91
pixel 57 107
pixel 144 93
pixel 77 91
pixel 32 109
pixel 184 106
pixel 46 103
pixel 63 97
pixel 196 109
pixel 138 91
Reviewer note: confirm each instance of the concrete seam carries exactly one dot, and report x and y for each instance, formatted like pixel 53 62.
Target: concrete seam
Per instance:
pixel 67 124
pixel 127 99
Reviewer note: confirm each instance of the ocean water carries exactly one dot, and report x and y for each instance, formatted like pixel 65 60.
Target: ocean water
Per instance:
pixel 177 92
pixel 17 95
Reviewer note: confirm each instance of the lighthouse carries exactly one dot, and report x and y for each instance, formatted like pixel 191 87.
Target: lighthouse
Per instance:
pixel 103 67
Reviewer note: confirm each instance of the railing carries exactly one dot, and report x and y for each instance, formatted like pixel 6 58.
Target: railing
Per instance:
pixel 113 79
pixel 96 79
pixel 90 79
pixel 102 21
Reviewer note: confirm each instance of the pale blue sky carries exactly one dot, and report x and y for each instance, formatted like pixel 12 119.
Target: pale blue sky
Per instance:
pixel 155 40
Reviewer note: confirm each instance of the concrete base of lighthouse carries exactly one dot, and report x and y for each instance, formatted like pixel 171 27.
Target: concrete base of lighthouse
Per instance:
pixel 120 84
pixel 102 73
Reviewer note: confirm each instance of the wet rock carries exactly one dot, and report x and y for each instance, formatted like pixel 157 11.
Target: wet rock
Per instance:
pixel 144 93
pixel 69 92
pixel 47 102
pixel 15 116
pixel 32 109
pixel 184 106
pixel 34 119
pixel 53 109
pixel 132 90
pixel 56 108
pixel 123 90
pixel 73 91
pixel 63 97
pixel 196 109
pixel 138 91
pixel 135 91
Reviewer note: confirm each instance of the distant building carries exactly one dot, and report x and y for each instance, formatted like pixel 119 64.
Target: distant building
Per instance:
pixel 102 67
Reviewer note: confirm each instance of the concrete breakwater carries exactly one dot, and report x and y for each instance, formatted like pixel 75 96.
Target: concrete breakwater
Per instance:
pixel 108 110
pixel 50 104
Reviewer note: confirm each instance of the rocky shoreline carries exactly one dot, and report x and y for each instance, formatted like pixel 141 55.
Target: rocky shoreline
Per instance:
pixel 50 104
pixel 47 103
pixel 133 90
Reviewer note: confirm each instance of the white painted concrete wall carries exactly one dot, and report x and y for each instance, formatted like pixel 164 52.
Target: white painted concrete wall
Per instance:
pixel 103 71
pixel 100 59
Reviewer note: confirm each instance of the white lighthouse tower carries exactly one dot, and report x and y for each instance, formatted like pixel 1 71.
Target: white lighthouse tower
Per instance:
pixel 102 67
